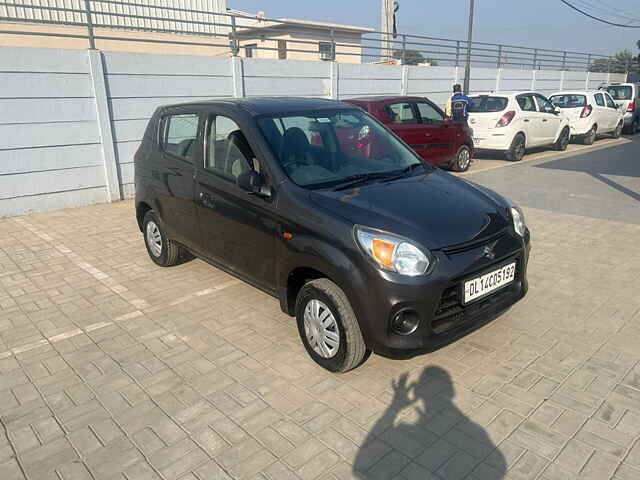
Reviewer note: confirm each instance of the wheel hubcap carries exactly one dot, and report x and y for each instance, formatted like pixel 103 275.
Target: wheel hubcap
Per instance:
pixel 154 239
pixel 464 159
pixel 321 329
pixel 520 149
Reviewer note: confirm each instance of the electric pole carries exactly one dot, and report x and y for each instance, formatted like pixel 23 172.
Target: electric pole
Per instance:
pixel 467 65
pixel 388 9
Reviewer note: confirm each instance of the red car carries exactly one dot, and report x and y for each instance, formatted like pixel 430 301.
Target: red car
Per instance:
pixel 423 126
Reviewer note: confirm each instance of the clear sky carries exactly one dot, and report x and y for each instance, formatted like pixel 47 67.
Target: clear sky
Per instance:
pixel 533 23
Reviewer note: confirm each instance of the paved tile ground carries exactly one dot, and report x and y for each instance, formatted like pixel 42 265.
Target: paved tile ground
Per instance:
pixel 113 368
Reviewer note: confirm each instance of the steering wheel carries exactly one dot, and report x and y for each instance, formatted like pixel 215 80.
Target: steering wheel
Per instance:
pixel 292 163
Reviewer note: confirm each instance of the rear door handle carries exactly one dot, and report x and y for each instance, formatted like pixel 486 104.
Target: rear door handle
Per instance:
pixel 207 200
pixel 545 120
pixel 526 120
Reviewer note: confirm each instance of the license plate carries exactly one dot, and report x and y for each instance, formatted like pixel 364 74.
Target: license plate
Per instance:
pixel 489 282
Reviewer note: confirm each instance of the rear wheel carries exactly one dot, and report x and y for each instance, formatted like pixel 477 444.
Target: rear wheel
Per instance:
pixel 635 126
pixel 328 326
pixel 590 137
pixel 462 160
pixel 517 149
pixel 618 131
pixel 563 140
pixel 162 250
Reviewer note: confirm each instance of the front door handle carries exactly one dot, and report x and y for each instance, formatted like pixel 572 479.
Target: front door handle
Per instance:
pixel 526 120
pixel 545 120
pixel 207 200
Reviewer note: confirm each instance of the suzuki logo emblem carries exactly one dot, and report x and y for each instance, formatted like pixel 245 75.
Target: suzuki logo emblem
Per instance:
pixel 489 253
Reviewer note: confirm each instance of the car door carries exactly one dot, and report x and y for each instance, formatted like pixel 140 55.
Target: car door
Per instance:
pixel 440 137
pixel 613 114
pixel 531 119
pixel 549 120
pixel 601 112
pixel 406 124
pixel 173 173
pixel 237 229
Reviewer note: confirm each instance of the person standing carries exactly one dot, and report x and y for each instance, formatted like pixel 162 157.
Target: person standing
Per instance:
pixel 458 105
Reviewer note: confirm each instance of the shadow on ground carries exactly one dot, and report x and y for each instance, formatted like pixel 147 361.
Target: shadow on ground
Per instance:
pixel 415 408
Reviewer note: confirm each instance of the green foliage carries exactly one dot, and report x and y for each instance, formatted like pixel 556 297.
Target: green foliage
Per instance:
pixel 413 57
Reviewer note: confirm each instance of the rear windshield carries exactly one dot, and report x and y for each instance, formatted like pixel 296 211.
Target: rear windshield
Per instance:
pixel 569 101
pixel 620 92
pixel 486 104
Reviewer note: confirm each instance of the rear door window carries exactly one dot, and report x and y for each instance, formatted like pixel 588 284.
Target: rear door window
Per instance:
pixel 609 100
pixel 487 104
pixel 402 113
pixel 179 133
pixel 599 99
pixel 526 103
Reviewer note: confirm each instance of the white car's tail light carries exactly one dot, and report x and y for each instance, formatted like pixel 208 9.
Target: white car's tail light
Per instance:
pixel 586 111
pixel 506 119
pixel 632 107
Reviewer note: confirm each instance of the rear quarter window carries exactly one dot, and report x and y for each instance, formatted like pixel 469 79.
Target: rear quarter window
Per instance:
pixel 487 104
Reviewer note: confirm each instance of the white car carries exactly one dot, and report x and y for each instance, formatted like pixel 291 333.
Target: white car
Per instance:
pixel 590 114
pixel 627 95
pixel 514 122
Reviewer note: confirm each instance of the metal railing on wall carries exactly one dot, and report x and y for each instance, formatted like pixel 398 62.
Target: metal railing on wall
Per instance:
pixel 234 34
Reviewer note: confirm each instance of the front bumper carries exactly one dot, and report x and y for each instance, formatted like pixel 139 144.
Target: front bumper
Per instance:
pixel 436 298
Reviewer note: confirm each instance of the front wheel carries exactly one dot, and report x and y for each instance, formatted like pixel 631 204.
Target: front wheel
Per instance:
pixel 563 140
pixel 328 327
pixel 517 149
pixel 618 131
pixel 462 160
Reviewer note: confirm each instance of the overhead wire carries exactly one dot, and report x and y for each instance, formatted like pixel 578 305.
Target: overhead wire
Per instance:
pixel 602 20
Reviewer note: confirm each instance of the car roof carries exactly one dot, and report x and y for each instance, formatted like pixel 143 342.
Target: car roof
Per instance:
pixel 501 94
pixel 272 105
pixel 576 92
pixel 384 99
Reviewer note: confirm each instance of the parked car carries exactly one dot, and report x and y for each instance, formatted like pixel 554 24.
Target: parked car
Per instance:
pixel 627 95
pixel 424 127
pixel 514 122
pixel 590 114
pixel 374 250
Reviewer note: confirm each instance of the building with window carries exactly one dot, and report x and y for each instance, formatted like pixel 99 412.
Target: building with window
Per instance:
pixel 195 27
pixel 302 40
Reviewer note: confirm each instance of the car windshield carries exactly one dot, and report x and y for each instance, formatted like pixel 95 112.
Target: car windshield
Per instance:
pixel 620 92
pixel 569 101
pixel 326 149
pixel 486 104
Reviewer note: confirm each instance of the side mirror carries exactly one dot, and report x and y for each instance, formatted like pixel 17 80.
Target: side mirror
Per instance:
pixel 557 110
pixel 253 183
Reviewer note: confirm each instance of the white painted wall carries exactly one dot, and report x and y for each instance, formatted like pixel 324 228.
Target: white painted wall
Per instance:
pixel 69 127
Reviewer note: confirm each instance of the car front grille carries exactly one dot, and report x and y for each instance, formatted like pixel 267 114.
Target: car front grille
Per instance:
pixel 450 311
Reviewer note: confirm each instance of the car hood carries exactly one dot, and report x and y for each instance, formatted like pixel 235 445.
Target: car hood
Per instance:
pixel 435 209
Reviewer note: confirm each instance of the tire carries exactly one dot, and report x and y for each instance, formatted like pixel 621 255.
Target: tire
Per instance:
pixel 163 251
pixel 350 349
pixel 618 131
pixel 635 126
pixel 563 140
pixel 590 137
pixel 517 149
pixel 462 160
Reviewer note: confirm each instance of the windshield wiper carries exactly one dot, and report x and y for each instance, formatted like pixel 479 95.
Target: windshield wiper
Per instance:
pixel 358 179
pixel 405 171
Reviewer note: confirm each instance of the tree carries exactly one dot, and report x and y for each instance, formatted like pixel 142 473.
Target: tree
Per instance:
pixel 621 62
pixel 413 57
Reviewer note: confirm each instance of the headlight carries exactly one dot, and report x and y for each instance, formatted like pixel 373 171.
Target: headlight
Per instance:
pixel 518 220
pixel 393 253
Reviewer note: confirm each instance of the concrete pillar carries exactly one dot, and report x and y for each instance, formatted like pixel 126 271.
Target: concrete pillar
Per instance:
pixel 103 117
